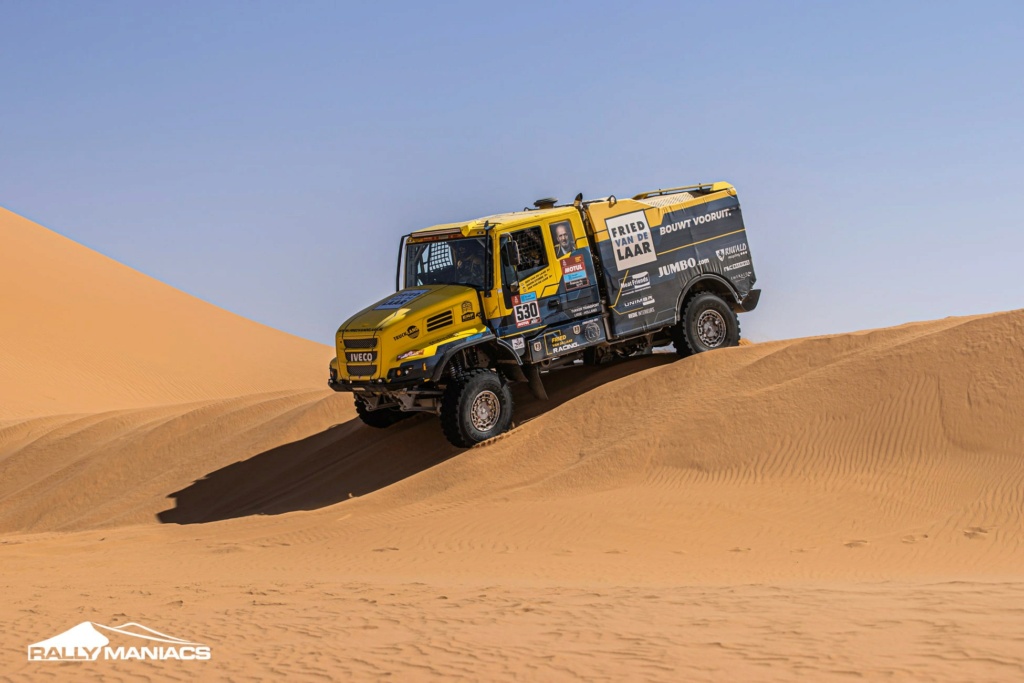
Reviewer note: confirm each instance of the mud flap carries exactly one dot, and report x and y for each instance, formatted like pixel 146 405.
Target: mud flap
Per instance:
pixel 536 385
pixel 749 302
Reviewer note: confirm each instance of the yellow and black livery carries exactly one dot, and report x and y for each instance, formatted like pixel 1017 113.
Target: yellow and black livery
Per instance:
pixel 506 297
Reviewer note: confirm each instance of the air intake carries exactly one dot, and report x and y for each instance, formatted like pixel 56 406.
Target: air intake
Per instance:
pixel 545 203
pixel 440 320
pixel 360 343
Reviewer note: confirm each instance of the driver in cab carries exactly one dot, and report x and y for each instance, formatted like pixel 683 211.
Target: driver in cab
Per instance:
pixel 469 265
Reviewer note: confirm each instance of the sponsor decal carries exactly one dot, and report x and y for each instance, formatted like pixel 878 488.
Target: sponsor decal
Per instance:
pixel 400 299
pixel 89 642
pixel 535 280
pixel 580 311
pixel 646 300
pixel 574 272
pixel 526 310
pixel 518 343
pixel 412 332
pixel 672 227
pixel 711 216
pixel 538 347
pixel 740 264
pixel 466 317
pixel 449 336
pixel 696 220
pixel 631 240
pixel 360 356
pixel 681 266
pixel 467 307
pixel 641 313
pixel 731 252
pixel 560 342
pixel 569 337
pixel 637 282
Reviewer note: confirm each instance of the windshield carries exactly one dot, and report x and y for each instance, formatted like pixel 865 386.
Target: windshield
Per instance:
pixel 448 262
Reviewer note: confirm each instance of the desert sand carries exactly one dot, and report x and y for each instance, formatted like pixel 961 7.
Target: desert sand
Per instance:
pixel 847 506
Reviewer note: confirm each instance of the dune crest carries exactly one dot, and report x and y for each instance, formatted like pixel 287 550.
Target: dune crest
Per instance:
pixel 81 333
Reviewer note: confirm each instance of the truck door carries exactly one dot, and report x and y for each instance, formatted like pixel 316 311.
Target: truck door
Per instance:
pixel 554 281
pixel 529 288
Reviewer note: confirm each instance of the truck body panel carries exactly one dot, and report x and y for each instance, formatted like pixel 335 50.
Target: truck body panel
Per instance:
pixel 651 254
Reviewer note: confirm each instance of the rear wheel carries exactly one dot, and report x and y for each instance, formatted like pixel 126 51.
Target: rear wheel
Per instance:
pixel 476 407
pixel 381 418
pixel 707 323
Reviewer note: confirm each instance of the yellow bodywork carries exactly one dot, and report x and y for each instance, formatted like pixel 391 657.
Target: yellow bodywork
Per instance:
pixel 409 324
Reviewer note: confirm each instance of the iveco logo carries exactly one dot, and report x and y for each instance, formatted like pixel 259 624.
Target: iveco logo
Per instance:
pixel 411 333
pixel 361 356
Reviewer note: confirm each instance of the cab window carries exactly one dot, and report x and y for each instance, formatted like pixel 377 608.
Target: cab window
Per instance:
pixel 449 262
pixel 533 257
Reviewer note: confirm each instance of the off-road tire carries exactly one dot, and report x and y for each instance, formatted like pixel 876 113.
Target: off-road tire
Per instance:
pixel 476 407
pixel 382 418
pixel 707 323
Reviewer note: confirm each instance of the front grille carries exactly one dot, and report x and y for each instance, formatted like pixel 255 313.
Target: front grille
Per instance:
pixel 361 370
pixel 360 356
pixel 360 343
pixel 438 321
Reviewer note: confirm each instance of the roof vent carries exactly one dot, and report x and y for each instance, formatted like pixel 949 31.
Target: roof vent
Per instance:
pixel 545 203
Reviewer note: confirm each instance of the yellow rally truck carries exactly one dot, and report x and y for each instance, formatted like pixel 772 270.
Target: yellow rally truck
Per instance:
pixel 505 298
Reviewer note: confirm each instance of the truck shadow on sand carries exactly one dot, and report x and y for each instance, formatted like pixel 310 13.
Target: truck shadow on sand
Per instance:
pixel 352 459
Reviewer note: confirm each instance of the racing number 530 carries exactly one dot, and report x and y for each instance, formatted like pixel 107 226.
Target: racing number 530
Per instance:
pixel 526 311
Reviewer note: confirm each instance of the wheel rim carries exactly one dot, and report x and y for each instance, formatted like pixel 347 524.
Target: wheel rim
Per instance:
pixel 711 328
pixel 485 411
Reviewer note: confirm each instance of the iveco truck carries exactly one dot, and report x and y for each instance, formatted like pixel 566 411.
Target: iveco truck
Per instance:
pixel 508 298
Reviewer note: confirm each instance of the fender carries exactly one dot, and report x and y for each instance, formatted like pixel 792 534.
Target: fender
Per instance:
pixel 507 346
pixel 712 277
pixel 455 347
pixel 708 276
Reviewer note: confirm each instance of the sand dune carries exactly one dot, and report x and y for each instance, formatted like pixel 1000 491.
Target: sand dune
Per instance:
pixel 81 333
pixel 874 441
pixel 830 507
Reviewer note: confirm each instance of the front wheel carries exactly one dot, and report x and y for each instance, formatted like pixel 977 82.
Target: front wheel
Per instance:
pixel 476 407
pixel 707 323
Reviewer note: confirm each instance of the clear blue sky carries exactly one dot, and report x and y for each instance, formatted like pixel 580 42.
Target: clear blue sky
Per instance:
pixel 266 156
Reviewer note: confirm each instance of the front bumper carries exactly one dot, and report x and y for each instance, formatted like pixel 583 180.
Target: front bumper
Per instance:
pixel 374 384
pixel 405 376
